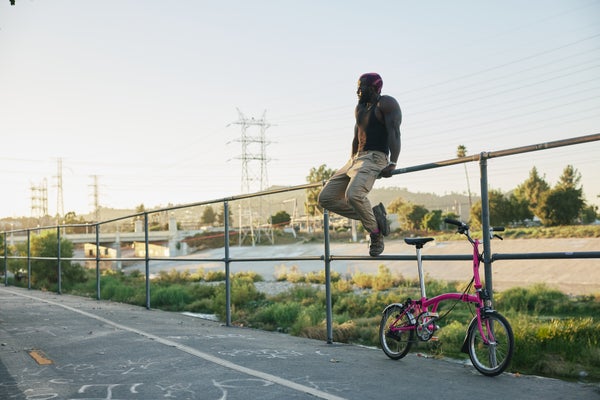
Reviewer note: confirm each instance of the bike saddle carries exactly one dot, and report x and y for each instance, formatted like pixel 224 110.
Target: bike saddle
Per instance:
pixel 419 242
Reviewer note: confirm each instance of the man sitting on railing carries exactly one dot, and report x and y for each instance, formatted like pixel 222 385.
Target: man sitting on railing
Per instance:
pixel 376 136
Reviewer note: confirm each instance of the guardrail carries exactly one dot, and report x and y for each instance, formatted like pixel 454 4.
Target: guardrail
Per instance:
pixel 326 257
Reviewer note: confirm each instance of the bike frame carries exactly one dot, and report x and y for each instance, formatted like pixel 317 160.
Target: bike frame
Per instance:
pixel 423 304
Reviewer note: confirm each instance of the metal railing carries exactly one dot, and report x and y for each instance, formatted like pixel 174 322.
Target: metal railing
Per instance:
pixel 326 257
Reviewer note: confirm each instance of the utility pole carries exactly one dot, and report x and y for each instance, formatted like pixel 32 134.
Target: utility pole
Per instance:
pixel 254 150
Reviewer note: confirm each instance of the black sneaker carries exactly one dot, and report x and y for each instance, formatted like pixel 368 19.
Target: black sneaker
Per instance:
pixel 376 246
pixel 381 218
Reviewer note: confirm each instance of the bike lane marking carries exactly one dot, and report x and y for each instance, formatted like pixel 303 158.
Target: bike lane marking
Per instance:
pixel 189 350
pixel 40 357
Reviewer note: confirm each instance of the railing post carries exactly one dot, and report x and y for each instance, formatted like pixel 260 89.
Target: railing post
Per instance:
pixel 28 259
pixel 328 278
pixel 5 261
pixel 147 259
pixel 98 261
pixel 59 289
pixel 485 223
pixel 227 266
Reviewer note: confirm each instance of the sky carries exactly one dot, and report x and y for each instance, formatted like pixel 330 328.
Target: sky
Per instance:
pixel 140 100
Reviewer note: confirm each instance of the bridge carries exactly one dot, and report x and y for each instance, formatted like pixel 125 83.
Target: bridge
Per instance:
pixel 109 237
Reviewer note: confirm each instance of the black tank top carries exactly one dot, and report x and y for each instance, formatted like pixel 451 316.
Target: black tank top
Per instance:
pixel 377 137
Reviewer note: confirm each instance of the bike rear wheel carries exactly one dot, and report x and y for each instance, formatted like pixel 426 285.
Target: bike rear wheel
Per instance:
pixel 395 344
pixel 492 355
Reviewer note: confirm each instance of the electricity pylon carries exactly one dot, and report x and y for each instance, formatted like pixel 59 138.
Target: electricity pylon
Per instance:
pixel 254 175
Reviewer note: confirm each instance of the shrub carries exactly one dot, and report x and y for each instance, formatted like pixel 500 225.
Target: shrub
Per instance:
pixel 538 299
pixel 293 275
pixel 556 347
pixel 174 276
pixel 171 298
pixel 251 275
pixel 313 315
pixel 362 280
pixel 214 276
pixel 319 277
pixel 243 293
pixel 278 315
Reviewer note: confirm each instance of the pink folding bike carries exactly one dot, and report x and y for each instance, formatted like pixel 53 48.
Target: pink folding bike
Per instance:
pixel 489 340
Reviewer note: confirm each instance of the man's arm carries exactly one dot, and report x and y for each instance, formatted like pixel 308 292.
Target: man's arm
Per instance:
pixel 355 141
pixel 392 116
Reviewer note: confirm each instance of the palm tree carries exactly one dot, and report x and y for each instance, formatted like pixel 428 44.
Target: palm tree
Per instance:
pixel 461 151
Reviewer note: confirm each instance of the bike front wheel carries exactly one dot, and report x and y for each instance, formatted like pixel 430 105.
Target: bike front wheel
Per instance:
pixel 395 343
pixel 491 348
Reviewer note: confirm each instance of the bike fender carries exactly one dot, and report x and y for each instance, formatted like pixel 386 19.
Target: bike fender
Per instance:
pixel 465 346
pixel 392 305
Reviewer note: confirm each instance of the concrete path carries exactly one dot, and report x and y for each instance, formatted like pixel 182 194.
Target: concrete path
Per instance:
pixel 66 347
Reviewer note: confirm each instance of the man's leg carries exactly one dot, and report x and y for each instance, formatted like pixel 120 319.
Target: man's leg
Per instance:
pixel 363 174
pixel 333 195
pixel 381 217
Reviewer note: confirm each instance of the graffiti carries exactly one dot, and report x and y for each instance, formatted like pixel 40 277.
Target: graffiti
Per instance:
pixel 263 353
pixel 239 384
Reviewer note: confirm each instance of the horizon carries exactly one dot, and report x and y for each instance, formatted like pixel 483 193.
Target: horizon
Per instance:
pixel 379 193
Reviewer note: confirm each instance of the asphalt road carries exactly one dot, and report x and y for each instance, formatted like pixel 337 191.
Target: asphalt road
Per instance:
pixel 66 347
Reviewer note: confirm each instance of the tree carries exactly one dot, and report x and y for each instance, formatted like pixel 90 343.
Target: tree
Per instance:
pixel 519 208
pixel 500 208
pixel 451 215
pixel 432 220
pixel 532 191
pixel 71 218
pixel 563 204
pixel 411 215
pixel 44 273
pixel 280 219
pixel 589 214
pixel 208 216
pixel 396 205
pixel 316 175
pixel 221 216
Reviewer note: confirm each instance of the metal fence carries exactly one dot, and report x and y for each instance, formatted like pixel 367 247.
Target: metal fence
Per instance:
pixel 326 257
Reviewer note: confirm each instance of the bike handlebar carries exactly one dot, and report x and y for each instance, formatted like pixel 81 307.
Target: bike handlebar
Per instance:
pixel 453 222
pixel 464 228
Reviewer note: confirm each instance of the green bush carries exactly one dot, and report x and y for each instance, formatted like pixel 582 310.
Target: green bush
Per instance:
pixel 174 276
pixel 312 315
pixel 111 288
pixel 280 316
pixel 538 299
pixel 171 298
pixel 556 347
pixel 215 276
pixel 244 299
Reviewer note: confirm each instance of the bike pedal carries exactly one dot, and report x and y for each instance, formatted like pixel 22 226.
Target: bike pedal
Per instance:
pixel 434 339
